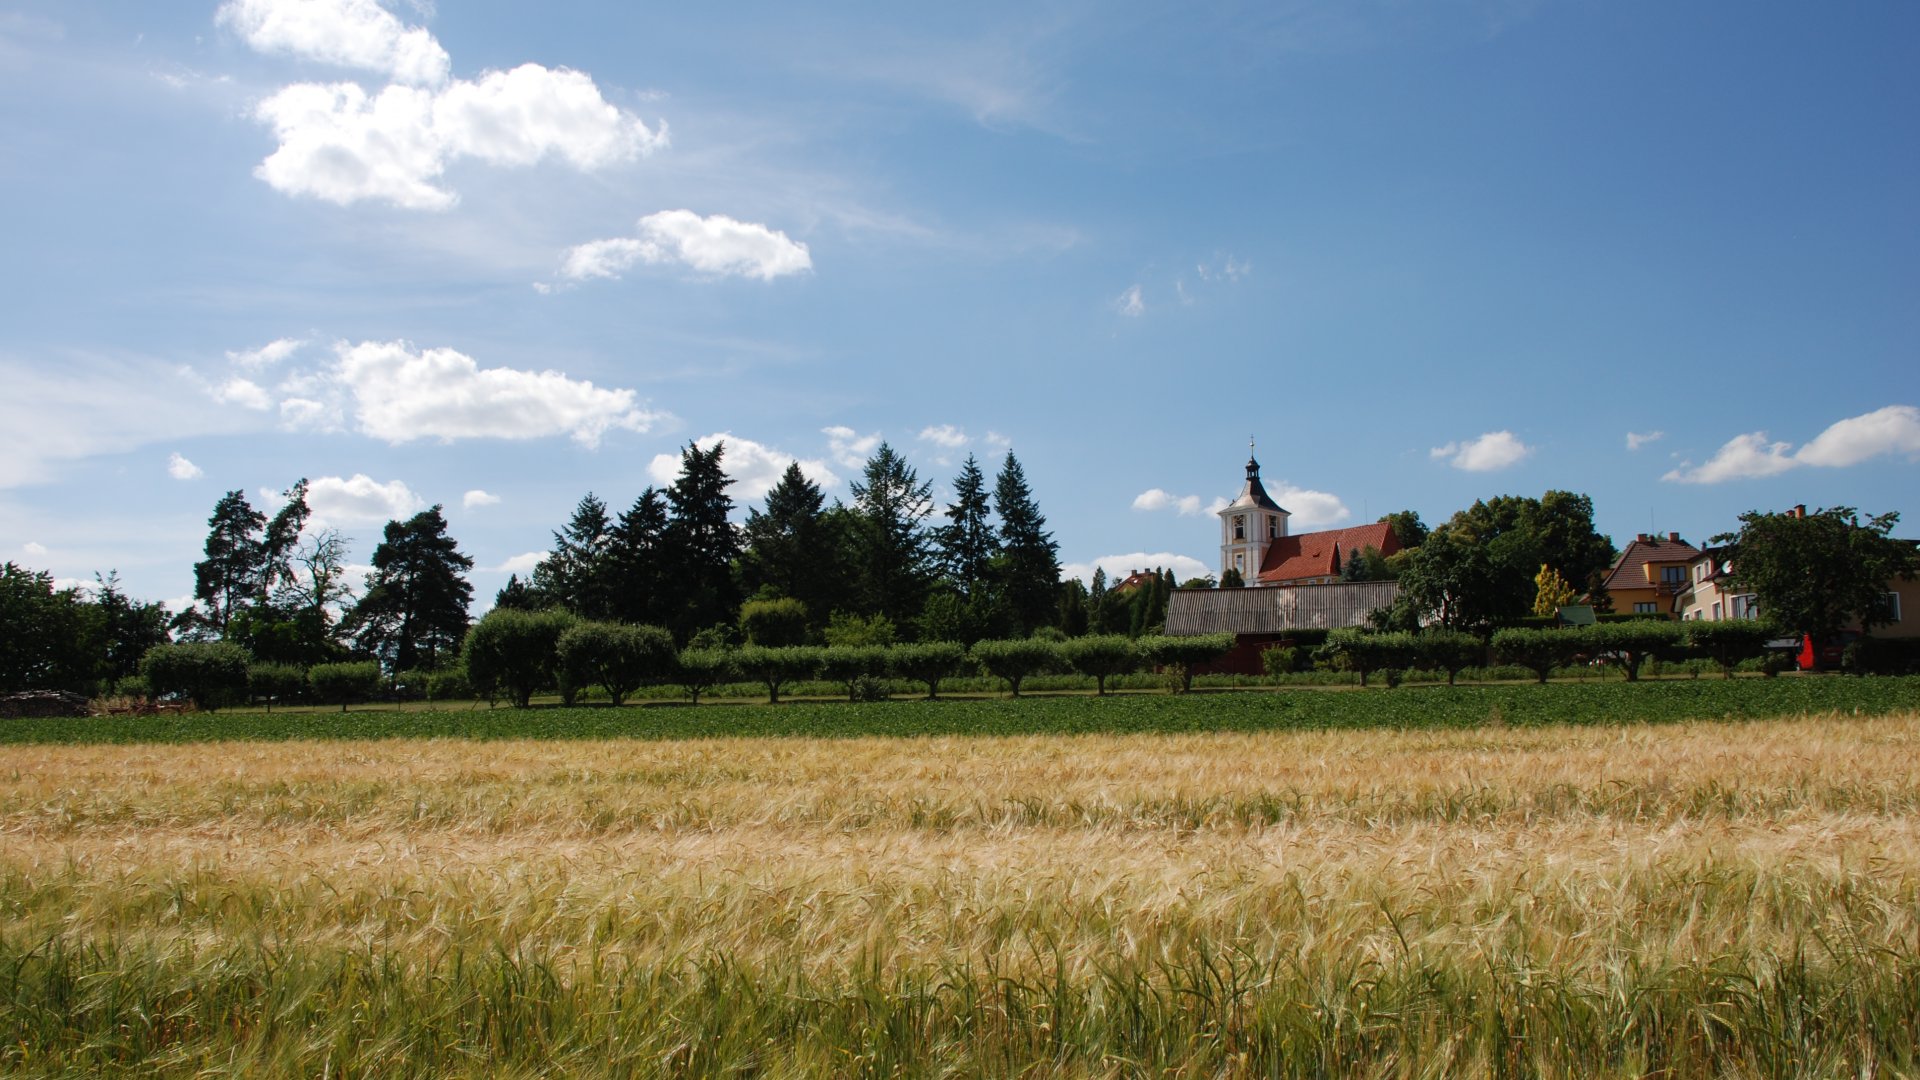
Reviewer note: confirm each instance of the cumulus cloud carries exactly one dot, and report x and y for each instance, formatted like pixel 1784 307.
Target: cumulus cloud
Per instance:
pixel 1894 429
pixel 1490 452
pixel 1306 508
pixel 266 355
pixel 1638 439
pixel 522 563
pixel 347 33
pixel 849 447
pixel 754 468
pixel 361 500
pixel 1119 566
pixel 1130 303
pixel 944 435
pixel 243 392
pixel 717 245
pixel 342 145
pixel 477 498
pixel 1159 499
pixel 33 547
pixel 180 468
pixel 400 393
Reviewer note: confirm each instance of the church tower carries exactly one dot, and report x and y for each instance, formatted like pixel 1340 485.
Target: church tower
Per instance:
pixel 1249 525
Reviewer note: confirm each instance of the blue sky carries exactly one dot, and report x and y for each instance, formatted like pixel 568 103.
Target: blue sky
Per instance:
pixel 496 255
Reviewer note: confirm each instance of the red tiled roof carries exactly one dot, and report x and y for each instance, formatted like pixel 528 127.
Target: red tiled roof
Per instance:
pixel 1133 581
pixel 1629 570
pixel 1315 554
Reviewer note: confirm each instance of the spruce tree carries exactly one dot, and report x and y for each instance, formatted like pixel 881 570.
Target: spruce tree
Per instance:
pixel 577 573
pixel 700 544
pixel 636 555
pixel 1029 562
pixel 967 544
pixel 415 610
pixel 1097 622
pixel 789 547
pixel 894 560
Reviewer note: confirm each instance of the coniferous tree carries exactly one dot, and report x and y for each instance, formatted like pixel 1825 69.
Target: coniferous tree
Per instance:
pixel 636 557
pixel 791 550
pixel 415 610
pixel 517 595
pixel 1097 622
pixel 577 573
pixel 893 557
pixel 700 544
pixel 1029 562
pixel 281 542
pixel 231 574
pixel 967 543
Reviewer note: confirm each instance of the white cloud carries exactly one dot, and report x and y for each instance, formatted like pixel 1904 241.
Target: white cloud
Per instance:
pixel 349 33
pixel 306 414
pixel 1157 499
pixel 1638 439
pixel 243 392
pixel 752 467
pixel 1000 443
pixel 522 563
pixel 360 500
pixel 716 245
pixel 1227 269
pixel 1305 507
pixel 477 498
pixel 34 548
pixel 1119 566
pixel 180 468
pixel 1130 303
pixel 266 355
pixel 945 435
pixel 1492 451
pixel 849 447
pixel 1892 430
pixel 401 393
pixel 341 145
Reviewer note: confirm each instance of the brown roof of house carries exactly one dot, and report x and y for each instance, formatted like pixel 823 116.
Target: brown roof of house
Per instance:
pixel 1319 554
pixel 1629 570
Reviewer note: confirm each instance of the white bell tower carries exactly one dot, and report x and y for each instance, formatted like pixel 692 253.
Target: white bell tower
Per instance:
pixel 1249 525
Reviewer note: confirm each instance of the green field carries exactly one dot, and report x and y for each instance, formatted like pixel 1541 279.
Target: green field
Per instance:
pixel 1406 707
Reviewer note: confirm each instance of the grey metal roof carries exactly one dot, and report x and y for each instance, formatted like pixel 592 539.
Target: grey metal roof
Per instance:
pixel 1270 610
pixel 1252 494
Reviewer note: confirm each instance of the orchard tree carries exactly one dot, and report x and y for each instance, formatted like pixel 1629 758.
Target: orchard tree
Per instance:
pixel 415 610
pixel 1816 573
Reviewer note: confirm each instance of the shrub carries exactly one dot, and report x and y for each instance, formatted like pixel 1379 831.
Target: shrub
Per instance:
pixel 846 628
pixel 345 684
pixel 276 682
pixel 775 667
pixel 928 662
pixel 619 657
pixel 1364 651
pixel 449 684
pixel 774 623
pixel 515 651
pixel 702 669
pixel 1728 641
pixel 1102 656
pixel 853 666
pixel 1185 654
pixel 1014 660
pixel 211 674
pixel 1280 660
pixel 1538 649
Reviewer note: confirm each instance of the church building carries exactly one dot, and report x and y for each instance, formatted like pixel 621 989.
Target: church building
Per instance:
pixel 1256 546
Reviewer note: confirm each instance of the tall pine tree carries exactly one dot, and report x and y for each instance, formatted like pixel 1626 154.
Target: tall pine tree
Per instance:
pixel 701 544
pixel 577 574
pixel 415 610
pixel 1029 562
pixel 894 558
pixel 791 549
pixel 230 576
pixel 636 554
pixel 967 543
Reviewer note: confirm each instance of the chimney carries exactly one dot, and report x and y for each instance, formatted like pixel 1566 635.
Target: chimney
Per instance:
pixel 1643 538
pixel 1800 510
pixel 1674 537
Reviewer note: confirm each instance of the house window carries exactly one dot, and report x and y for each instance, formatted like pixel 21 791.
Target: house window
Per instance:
pixel 1716 611
pixel 1673 575
pixel 1240 563
pixel 1890 607
pixel 1700 572
pixel 1239 526
pixel 1645 607
pixel 1746 606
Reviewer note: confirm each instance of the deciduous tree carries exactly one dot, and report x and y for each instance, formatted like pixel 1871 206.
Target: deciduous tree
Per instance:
pixel 1815 573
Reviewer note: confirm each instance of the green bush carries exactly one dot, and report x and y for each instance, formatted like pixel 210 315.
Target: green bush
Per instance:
pixel 1013 660
pixel 1184 655
pixel 774 623
pixel 1538 649
pixel 450 684
pixel 1726 642
pixel 516 651
pixel 345 684
pixel 211 674
pixel 618 657
pixel 700 669
pixel 276 683
pixel 1102 656
pixel 929 662
pixel 846 628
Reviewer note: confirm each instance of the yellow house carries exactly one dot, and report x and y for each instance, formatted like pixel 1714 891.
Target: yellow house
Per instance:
pixel 1710 594
pixel 1650 573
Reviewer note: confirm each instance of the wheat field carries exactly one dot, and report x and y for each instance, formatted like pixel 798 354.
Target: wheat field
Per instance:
pixel 1696 900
